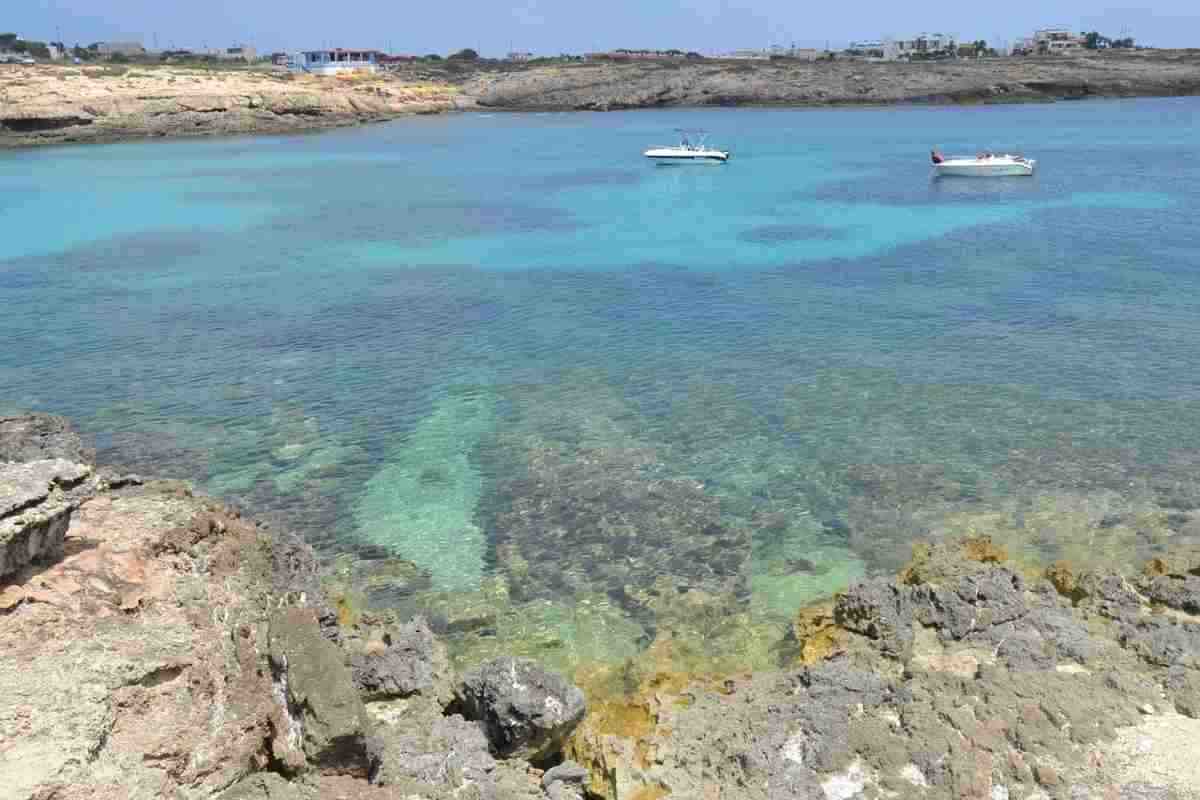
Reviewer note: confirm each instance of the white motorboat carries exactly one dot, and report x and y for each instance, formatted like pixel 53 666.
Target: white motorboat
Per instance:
pixel 983 165
pixel 691 148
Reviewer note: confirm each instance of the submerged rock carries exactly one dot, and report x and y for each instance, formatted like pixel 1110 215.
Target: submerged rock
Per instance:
pixel 601 521
pixel 526 711
pixel 38 437
pixel 421 505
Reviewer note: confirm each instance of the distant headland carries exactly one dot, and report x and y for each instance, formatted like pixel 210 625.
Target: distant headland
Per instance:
pixel 53 102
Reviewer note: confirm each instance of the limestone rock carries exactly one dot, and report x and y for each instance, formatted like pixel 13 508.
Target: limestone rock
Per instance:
pixel 36 502
pixel 1111 595
pixel 428 753
pixel 268 786
pixel 947 561
pixel 129 672
pixel 295 574
pixel 1181 593
pixel 408 660
pixel 881 610
pixel 974 602
pixel 567 772
pixel 526 711
pixel 322 720
pixel 1164 642
pixel 37 437
pixel 1183 688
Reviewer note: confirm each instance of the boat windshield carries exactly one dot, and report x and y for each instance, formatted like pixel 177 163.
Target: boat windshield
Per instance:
pixel 691 138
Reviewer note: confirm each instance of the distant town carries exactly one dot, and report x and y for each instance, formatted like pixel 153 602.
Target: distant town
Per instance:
pixel 1048 41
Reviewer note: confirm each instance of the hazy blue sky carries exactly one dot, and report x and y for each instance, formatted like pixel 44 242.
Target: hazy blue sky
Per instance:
pixel 550 26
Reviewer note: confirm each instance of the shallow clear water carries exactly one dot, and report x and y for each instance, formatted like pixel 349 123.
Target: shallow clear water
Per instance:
pixel 599 403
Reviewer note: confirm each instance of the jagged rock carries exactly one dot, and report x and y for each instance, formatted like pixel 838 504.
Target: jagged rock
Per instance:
pixel 947 561
pixel 37 499
pixel 296 574
pixel 322 720
pixel 565 782
pixel 406 661
pixel 1182 593
pixel 1039 640
pixel 1183 688
pixel 526 711
pixel 881 610
pixel 268 786
pixel 973 603
pixel 427 753
pixel 567 772
pixel 1165 642
pixel 1111 595
pixel 37 437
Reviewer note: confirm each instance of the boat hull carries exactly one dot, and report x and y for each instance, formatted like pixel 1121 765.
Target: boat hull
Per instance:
pixel 984 169
pixel 669 156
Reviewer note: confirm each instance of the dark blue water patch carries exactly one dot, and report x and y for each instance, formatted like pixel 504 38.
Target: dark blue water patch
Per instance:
pixel 787 233
pixel 582 178
pixel 150 253
pixel 917 189
pixel 501 218
pixel 417 223
pixel 13 278
pixel 309 176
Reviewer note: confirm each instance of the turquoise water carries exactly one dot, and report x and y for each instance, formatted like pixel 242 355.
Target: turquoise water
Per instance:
pixel 594 401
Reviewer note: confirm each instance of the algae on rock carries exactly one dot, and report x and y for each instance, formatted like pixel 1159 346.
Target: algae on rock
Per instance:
pixel 421 504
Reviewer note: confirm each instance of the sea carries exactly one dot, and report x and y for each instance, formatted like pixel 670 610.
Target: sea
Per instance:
pixel 502 371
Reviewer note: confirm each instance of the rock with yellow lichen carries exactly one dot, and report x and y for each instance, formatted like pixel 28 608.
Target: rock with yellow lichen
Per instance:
pixel 949 683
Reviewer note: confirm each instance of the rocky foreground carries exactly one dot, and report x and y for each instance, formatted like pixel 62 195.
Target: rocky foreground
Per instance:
pixel 612 86
pixel 57 104
pixel 156 644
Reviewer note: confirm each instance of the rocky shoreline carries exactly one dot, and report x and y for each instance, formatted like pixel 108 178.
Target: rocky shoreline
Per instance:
pixel 63 105
pixel 613 86
pixel 58 105
pixel 154 643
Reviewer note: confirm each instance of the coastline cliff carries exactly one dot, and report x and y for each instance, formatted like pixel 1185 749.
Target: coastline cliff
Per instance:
pixel 154 643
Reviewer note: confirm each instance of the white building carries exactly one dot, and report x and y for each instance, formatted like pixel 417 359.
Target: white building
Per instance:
pixel 520 56
pixel 1055 41
pixel 924 45
pixel 332 62
pixel 869 48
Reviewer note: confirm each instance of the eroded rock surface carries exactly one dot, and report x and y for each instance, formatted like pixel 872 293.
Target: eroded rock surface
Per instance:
pixel 323 720
pixel 37 437
pixel 37 499
pixel 526 711
pixel 60 103
pixel 964 680
pixel 401 662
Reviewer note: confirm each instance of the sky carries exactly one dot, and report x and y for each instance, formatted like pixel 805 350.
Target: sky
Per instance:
pixel 549 27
